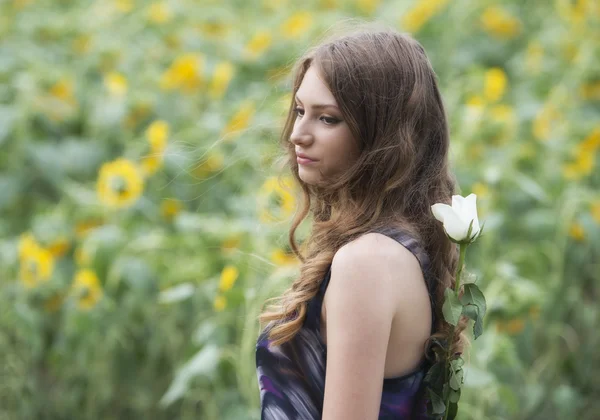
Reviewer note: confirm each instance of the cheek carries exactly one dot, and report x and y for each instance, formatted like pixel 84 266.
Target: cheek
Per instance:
pixel 352 149
pixel 347 145
pixel 342 151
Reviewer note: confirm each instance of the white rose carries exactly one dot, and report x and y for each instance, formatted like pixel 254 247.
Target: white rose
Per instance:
pixel 458 217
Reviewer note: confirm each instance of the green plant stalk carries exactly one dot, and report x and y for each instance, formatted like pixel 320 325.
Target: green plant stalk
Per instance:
pixel 461 260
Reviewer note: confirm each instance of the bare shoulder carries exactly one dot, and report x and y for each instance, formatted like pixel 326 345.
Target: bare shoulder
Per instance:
pixel 376 266
pixel 369 279
pixel 377 253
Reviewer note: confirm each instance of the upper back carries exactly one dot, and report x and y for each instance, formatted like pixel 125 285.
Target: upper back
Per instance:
pixel 396 255
pixel 291 376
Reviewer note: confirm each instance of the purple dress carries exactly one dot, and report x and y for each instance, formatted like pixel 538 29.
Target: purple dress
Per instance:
pixel 291 377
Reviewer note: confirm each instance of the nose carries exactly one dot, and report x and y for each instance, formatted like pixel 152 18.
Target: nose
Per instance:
pixel 301 135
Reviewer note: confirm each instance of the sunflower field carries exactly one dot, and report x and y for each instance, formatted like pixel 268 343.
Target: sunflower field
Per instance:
pixel 143 221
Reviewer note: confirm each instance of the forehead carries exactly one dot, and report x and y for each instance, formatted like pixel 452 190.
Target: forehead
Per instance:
pixel 313 88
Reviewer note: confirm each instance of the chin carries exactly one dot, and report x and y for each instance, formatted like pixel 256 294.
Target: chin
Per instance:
pixel 306 178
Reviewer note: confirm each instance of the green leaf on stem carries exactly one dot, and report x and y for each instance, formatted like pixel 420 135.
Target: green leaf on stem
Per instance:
pixel 437 348
pixel 457 363
pixel 438 406
pixel 452 411
pixel 473 296
pixel 472 312
pixel 435 375
pixel 456 379
pixel 454 396
pixel 474 307
pixel 452 308
pixel 469 239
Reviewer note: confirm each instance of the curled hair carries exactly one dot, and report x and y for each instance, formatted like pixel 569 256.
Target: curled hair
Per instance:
pixel 387 91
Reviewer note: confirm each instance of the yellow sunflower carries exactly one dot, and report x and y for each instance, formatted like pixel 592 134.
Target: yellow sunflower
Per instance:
pixel 281 257
pixel 223 73
pixel 86 287
pixel 418 15
pixel 258 44
pixel 27 245
pixel 157 134
pixel 495 84
pixel 296 25
pixel 159 13
pixel 220 303
pixel 59 247
pixel 169 208
pixel 229 245
pixel 116 84
pixel 185 74
pixel 239 121
pixel 37 266
pixel 499 23
pixel 120 183
pixel 212 163
pixel 276 200
pixel 83 228
pixel 228 277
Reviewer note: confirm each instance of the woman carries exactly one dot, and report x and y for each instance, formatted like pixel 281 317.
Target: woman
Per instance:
pixel 367 141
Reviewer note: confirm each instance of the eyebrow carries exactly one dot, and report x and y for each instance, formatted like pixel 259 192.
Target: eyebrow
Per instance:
pixel 319 106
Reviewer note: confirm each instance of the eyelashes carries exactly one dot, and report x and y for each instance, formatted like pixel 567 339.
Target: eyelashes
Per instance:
pixel 327 120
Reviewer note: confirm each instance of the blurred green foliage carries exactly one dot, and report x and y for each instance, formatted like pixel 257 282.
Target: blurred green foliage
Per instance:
pixel 142 226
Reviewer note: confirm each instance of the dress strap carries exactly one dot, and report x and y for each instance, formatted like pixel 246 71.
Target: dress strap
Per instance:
pixel 313 317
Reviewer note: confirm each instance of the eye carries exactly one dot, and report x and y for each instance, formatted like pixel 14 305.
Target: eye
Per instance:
pixel 299 111
pixel 327 120
pixel 330 120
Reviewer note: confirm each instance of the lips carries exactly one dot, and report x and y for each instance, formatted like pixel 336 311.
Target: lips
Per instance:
pixel 303 156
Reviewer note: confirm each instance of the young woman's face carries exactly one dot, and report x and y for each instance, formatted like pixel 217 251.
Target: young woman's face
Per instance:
pixel 320 132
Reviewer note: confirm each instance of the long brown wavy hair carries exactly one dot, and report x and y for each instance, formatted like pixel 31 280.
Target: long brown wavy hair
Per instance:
pixel 387 91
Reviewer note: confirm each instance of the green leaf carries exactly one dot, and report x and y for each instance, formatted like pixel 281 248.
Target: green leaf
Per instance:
pixel 456 379
pixel 468 238
pixel 452 308
pixel 437 403
pixel 11 188
pixel 478 327
pixel 472 312
pixel 435 375
pixel 474 296
pixel 446 391
pixel 437 349
pixel 8 116
pixel 204 362
pixel 454 396
pixel 457 363
pixel 452 411
pixel 454 383
pixel 531 187
pixel 176 293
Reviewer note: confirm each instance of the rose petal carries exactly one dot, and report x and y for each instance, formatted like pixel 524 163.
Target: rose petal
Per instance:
pixel 471 212
pixel 470 208
pixel 457 203
pixel 440 210
pixel 455 227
